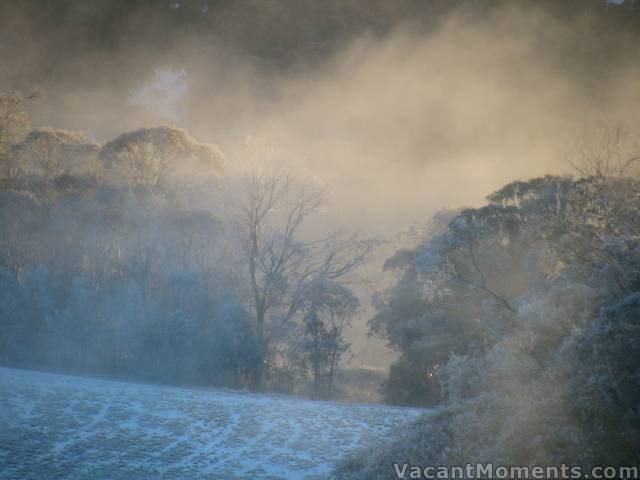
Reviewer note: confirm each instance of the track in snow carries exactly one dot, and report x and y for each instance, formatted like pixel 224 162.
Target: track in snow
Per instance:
pixel 64 427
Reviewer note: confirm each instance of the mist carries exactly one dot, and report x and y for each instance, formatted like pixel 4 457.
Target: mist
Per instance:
pixel 399 124
pixel 357 201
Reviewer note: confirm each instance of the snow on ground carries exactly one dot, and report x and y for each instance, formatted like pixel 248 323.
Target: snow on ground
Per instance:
pixel 64 427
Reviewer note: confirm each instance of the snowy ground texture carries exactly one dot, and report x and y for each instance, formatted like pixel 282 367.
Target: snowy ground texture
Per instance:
pixel 63 427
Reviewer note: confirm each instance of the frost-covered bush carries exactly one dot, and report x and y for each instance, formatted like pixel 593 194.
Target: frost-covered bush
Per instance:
pixel 604 387
pixel 547 276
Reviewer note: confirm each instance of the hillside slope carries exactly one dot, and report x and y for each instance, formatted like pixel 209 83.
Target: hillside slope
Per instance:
pixel 63 427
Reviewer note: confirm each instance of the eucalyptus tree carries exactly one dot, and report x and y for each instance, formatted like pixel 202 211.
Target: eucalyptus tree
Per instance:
pixel 159 157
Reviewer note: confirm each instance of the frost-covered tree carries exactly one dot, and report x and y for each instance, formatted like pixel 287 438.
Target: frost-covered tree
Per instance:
pixel 52 160
pixel 156 157
pixel 14 123
pixel 14 120
pixel 548 278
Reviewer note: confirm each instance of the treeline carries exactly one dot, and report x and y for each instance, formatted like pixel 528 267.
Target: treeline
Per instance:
pixel 520 319
pixel 134 259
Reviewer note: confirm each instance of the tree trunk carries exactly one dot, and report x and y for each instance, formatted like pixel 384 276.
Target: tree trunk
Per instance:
pixel 257 371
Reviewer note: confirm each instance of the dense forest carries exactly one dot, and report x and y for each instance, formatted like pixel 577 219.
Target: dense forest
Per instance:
pixel 125 259
pixel 195 255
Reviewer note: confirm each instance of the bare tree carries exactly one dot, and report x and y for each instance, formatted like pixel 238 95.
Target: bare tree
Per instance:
pixel 280 267
pixel 606 151
pixel 14 123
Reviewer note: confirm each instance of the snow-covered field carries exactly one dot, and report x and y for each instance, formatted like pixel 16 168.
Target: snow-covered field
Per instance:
pixel 63 427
